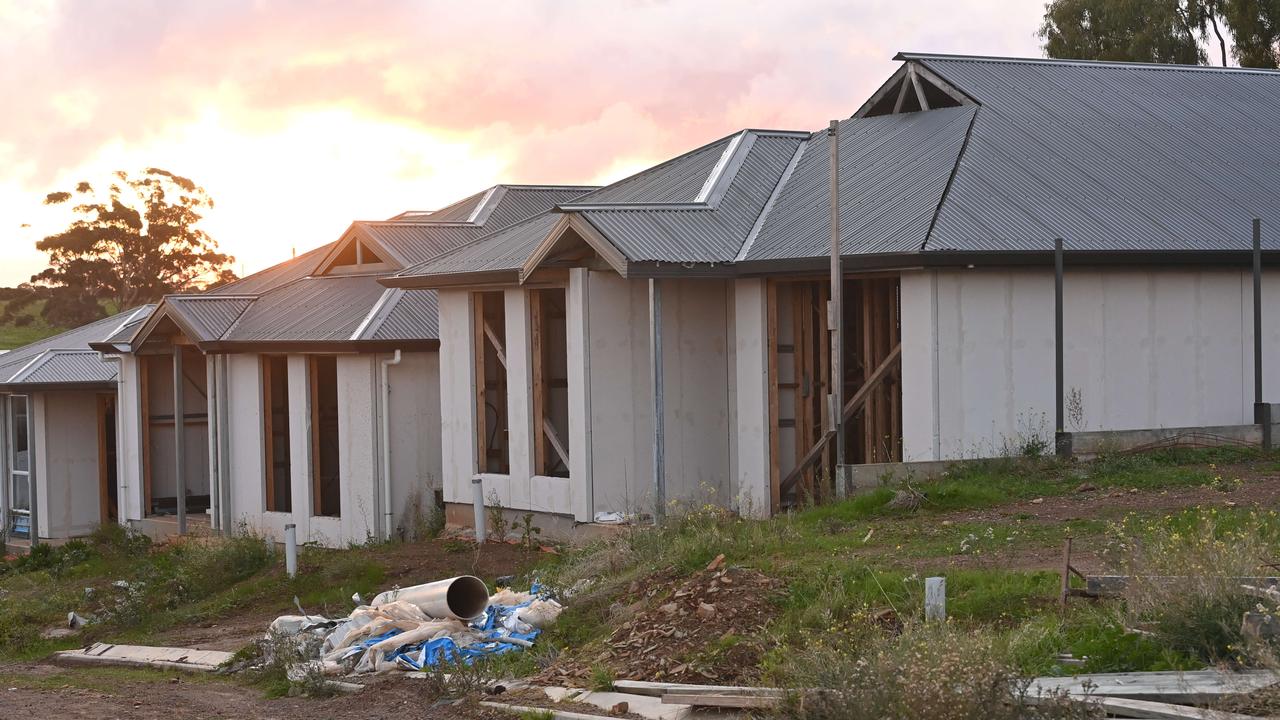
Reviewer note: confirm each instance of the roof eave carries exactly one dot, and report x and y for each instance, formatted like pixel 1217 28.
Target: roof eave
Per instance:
pixel 318 346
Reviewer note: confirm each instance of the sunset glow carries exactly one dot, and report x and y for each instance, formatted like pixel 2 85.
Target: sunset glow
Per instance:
pixel 299 117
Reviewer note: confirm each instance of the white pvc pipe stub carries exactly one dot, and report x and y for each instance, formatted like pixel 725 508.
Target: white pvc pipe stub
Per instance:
pixel 291 550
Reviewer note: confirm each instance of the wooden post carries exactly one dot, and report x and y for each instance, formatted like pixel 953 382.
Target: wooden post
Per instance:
pixel 179 440
pixel 935 599
pixel 179 432
pixel 835 309
pixel 1066 573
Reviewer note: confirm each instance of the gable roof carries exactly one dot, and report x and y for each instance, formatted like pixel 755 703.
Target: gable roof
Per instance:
pixel 412 238
pixel 291 307
pixel 66 360
pixel 697 207
pixel 1167 163
pixel 1110 156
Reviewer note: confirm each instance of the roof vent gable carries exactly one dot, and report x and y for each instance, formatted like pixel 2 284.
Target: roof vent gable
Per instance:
pixel 912 88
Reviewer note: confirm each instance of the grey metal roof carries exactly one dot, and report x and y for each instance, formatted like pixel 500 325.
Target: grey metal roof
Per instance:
pixel 288 304
pixel 66 358
pixel 714 233
pixel 414 315
pixel 893 172
pixel 1110 156
pixel 677 180
pixel 209 316
pixel 59 367
pixel 420 240
pixel 506 249
pixel 318 309
pixel 276 275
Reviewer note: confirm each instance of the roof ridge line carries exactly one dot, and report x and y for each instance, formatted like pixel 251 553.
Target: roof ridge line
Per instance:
pixel 946 189
pixel 383 300
pixel 27 369
pixel 773 198
pixel 718 170
pixel 653 168
pixel 1167 67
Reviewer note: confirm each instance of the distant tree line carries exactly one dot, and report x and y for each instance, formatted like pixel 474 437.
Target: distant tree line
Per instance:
pixel 130 243
pixel 1164 31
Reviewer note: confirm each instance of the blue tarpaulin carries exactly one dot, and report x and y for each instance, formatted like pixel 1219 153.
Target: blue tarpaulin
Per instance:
pixel 501 630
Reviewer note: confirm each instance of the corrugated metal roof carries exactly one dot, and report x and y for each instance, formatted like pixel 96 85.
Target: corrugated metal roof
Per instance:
pixel 1110 156
pixel 504 250
pixel 459 211
pixel 711 234
pixel 208 316
pixel 420 241
pixel 677 180
pixel 414 316
pixel 318 309
pixel 61 367
pixel 521 202
pixel 893 170
pixel 16 365
pixel 276 275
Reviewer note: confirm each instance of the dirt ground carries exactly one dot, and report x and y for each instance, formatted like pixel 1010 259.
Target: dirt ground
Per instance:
pixel 183 698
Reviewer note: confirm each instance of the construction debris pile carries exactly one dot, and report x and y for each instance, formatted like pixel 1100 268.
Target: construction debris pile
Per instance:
pixel 413 628
pixel 666 631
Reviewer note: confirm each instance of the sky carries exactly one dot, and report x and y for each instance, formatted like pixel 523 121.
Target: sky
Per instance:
pixel 299 117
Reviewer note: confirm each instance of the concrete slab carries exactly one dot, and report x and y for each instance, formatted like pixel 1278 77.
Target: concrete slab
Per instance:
pixel 643 705
pixel 169 658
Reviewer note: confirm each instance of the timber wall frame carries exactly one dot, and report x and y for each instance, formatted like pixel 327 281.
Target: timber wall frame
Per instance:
pixel 322 376
pixel 799 369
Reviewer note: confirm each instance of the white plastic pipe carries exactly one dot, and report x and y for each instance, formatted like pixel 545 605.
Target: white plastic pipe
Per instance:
pixel 461 598
pixel 477 500
pixel 385 419
pixel 291 550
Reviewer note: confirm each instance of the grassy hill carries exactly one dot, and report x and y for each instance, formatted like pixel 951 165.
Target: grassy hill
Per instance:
pixel 29 326
pixel 16 334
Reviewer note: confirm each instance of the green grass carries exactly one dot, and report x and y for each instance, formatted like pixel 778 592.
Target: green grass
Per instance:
pixel 840 564
pixel 13 335
pixel 844 560
pixel 16 333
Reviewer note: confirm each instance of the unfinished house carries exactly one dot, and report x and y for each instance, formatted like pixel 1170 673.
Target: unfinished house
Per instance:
pixel 309 392
pixel 58 420
pixel 698 344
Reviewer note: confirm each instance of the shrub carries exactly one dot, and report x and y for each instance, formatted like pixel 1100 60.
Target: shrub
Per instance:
pixel 934 672
pixel 1185 590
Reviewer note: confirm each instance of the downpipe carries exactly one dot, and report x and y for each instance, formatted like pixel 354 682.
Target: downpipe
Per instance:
pixel 122 482
pixel 384 437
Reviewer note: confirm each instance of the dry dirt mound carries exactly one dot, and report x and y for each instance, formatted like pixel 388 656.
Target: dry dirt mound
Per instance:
pixel 704 629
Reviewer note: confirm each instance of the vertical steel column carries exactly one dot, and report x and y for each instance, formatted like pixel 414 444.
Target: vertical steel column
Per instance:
pixel 1261 410
pixel 659 443
pixel 835 312
pixel 1257 310
pixel 1059 421
pixel 33 487
pixel 179 438
pixel 6 446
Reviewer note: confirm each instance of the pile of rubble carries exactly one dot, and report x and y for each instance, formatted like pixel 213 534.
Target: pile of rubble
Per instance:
pixel 707 630
pixel 413 628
